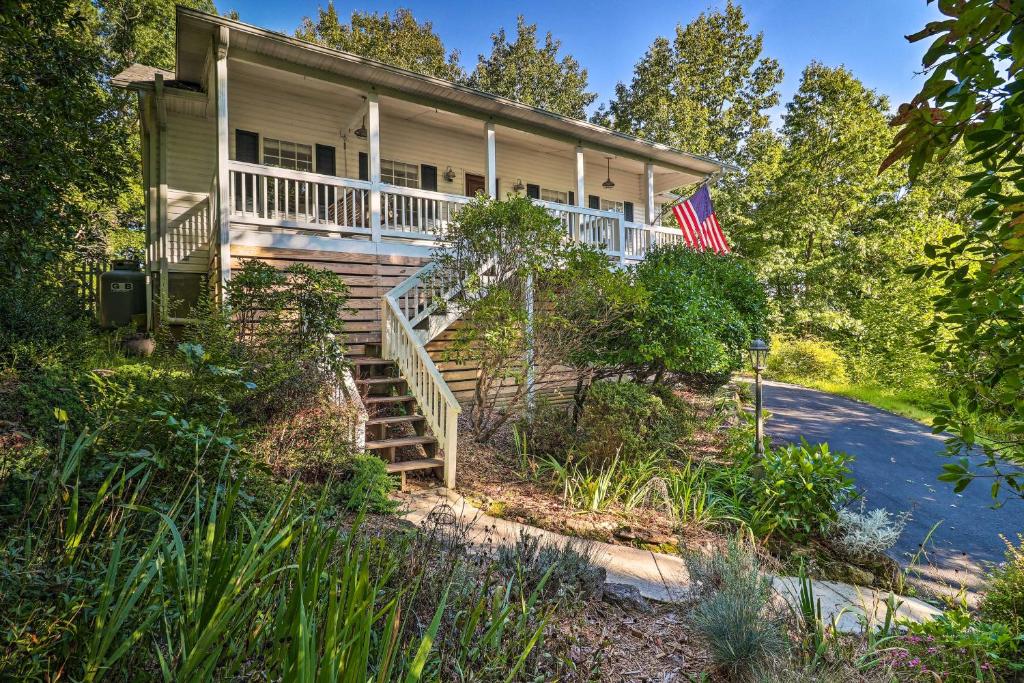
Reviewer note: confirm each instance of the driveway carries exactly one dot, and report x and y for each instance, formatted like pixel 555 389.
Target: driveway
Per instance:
pixel 897 463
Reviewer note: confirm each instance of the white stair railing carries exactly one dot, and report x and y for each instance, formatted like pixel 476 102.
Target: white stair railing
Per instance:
pixel 401 343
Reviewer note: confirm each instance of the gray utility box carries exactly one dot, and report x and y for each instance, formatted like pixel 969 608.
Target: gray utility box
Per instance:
pixel 123 295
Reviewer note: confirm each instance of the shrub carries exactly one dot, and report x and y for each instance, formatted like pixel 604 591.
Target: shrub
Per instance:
pixel 956 647
pixel 735 612
pixel 569 567
pixel 801 488
pixel 805 359
pixel 548 428
pixel 626 419
pixel 1003 602
pixel 366 484
pixel 861 533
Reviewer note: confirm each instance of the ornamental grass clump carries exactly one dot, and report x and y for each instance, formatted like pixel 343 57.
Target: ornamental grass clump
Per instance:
pixel 735 611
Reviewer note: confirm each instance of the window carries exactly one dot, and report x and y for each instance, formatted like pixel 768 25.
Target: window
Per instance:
pixel 554 196
pixel 285 154
pixel 609 205
pixel 398 173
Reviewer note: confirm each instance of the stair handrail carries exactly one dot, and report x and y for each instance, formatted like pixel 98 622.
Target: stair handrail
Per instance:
pixel 400 343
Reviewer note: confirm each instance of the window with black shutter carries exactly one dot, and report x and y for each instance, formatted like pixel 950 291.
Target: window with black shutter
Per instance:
pixel 428 177
pixel 364 166
pixel 247 149
pixel 533 191
pixel 572 198
pixel 593 201
pixel 325 163
pixel 247 146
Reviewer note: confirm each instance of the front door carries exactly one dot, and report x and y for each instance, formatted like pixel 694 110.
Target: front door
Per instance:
pixel 474 184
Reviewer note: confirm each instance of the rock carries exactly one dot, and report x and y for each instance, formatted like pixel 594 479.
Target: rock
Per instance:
pixel 848 573
pixel 593 583
pixel 139 345
pixel 644 536
pixel 626 596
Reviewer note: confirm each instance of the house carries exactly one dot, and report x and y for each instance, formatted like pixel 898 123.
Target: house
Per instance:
pixel 263 146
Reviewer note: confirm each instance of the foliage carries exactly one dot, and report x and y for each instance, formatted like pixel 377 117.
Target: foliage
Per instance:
pixel 282 327
pixel 567 569
pixel 861 533
pixel 365 485
pixel 1003 599
pixel 736 613
pixel 955 647
pixel 801 488
pixel 794 360
pixel 399 40
pixel 701 313
pixel 628 420
pixel 973 97
pixel 708 90
pixel 525 72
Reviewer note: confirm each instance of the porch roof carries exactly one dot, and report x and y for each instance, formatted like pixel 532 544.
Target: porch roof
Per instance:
pixel 195 32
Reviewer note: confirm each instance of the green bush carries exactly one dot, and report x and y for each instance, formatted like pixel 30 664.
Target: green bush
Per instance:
pixel 795 360
pixel 548 428
pixel 800 489
pixel 630 420
pixel 735 612
pixel 1003 601
pixel 366 484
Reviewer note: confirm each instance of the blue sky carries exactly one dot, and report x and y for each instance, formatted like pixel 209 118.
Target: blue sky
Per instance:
pixel 865 35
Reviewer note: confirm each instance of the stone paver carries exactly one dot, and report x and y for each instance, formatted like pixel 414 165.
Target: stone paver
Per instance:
pixel 658 576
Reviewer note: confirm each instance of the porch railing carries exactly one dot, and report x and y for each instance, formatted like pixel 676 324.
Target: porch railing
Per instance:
pixel 410 212
pixel 281 196
pixel 400 343
pixel 275 196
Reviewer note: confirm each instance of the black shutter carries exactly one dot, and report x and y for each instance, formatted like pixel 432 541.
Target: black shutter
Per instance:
pixel 428 177
pixel 325 160
pixel 593 201
pixel 572 198
pixel 627 211
pixel 364 166
pixel 533 191
pixel 247 146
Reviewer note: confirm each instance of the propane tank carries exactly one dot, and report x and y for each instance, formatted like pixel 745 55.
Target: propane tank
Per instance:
pixel 122 299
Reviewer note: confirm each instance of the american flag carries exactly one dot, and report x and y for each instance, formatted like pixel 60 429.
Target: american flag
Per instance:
pixel 696 218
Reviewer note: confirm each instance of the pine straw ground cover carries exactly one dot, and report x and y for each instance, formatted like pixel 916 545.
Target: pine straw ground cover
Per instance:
pixel 492 478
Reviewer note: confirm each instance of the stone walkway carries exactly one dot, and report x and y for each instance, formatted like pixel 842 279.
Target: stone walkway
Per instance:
pixel 663 577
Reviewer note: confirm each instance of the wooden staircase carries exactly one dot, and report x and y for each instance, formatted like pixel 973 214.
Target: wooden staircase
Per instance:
pixel 396 429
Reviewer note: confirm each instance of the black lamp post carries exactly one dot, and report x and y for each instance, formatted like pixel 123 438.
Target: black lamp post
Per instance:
pixel 758 354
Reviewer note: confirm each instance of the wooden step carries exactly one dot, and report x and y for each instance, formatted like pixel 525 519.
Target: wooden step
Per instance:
pixel 378 381
pixel 413 465
pixel 378 400
pixel 370 360
pixel 394 419
pixel 400 441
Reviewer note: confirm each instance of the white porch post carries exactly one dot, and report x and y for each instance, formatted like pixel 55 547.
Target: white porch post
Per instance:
pixel 581 190
pixel 649 196
pixel 223 175
pixel 492 163
pixel 373 136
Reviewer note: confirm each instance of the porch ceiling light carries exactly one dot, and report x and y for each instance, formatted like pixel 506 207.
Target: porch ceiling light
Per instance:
pixel 360 132
pixel 449 174
pixel 609 183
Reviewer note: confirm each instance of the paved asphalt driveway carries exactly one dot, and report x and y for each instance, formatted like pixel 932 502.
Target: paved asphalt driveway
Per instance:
pixel 897 463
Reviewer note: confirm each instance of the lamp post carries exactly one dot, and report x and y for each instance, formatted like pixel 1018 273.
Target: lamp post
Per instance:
pixel 758 354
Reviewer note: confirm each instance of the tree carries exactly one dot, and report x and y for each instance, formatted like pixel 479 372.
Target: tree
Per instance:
pixel 60 163
pixel 399 40
pixel 707 91
pixel 534 75
pixel 142 30
pixel 974 97
pixel 700 311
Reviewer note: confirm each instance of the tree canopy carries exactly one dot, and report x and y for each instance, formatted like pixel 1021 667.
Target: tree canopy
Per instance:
pixel 398 39
pixel 533 74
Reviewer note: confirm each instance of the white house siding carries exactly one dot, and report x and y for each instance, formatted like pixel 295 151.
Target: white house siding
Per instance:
pixel 191 159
